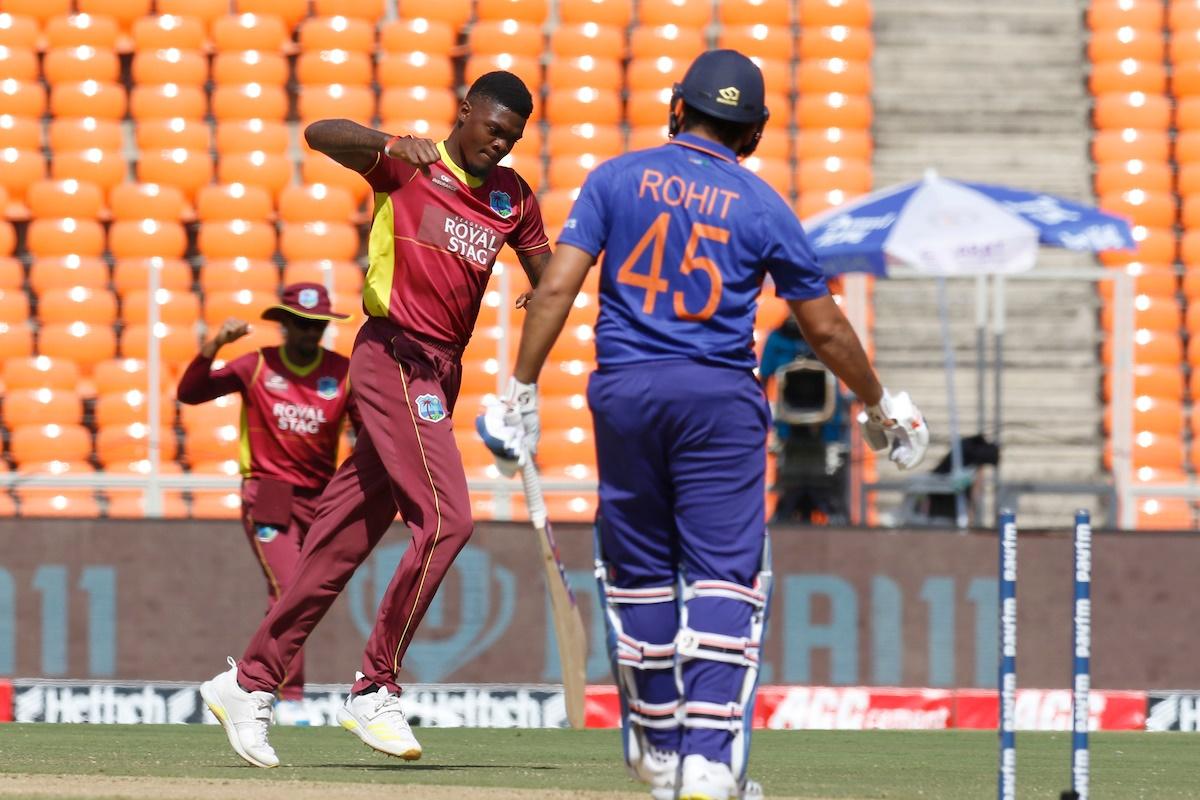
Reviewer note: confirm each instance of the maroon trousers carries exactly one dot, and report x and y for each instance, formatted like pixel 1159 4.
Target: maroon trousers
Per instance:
pixel 405 460
pixel 278 552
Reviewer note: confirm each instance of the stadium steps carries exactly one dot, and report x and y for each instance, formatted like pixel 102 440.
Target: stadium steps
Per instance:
pixel 994 93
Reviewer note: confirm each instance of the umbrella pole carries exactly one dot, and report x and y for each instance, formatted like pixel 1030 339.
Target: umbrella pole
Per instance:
pixel 956 460
pixel 981 314
pixel 998 314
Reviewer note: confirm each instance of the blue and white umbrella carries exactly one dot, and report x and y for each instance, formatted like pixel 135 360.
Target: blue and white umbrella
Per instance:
pixel 953 228
pixel 947 228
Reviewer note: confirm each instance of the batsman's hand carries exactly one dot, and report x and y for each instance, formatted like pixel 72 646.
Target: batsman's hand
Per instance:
pixel 510 428
pixel 521 412
pixel 230 331
pixel 418 152
pixel 897 426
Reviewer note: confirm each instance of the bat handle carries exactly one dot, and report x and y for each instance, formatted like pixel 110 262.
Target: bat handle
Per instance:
pixel 533 494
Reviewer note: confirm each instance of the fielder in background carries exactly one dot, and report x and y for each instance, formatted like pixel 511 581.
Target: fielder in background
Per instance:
pixel 295 399
pixel 442 213
pixel 681 422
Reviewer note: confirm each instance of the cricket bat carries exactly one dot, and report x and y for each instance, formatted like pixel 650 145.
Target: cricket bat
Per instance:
pixel 568 625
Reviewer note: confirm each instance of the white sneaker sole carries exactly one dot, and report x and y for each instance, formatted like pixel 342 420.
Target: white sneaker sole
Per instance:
pixel 347 721
pixel 209 695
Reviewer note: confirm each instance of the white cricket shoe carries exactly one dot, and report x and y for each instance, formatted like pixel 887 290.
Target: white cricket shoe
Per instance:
pixel 377 719
pixel 245 716
pixel 702 779
pixel 659 769
pixel 292 713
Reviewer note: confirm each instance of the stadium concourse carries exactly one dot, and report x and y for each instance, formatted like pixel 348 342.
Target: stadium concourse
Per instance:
pixel 140 136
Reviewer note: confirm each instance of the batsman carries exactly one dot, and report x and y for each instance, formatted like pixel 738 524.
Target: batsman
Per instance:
pixel 688 237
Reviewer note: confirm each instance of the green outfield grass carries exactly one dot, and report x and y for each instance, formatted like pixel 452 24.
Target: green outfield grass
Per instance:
pixel 949 765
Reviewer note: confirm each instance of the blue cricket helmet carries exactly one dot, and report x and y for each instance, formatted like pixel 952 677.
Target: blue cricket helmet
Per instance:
pixel 724 84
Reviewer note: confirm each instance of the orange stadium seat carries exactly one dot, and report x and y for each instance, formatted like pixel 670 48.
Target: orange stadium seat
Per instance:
pixel 489 37
pixel 1128 144
pixel 833 110
pixel 585 105
pixel 208 11
pixel 232 274
pixel 211 444
pixel 12 274
pixel 19 169
pixel 779 13
pixel 19 63
pixel 60 237
pixel 20 133
pixel 125 374
pixel 1191 282
pixel 76 133
pixel 759 42
pixel 455 13
pixel 174 307
pixel 333 240
pixel 834 75
pixel 418 34
pixel 73 30
pixel 125 12
pixel 249 66
pixel 132 503
pixel 1104 14
pixel 1128 75
pixel 1151 347
pixel 145 238
pixel 221 412
pixel 338 33
pixel 646 111
pixel 334 66
pixel 1183 46
pixel 1164 513
pixel 1153 380
pixel 42 12
pixel 336 101
pixel 156 67
pixel 1182 15
pixel 138 201
pixel 653 74
pixel 418 102
pixel 14 306
pixel 695 14
pixel 88 99
pixel 105 168
pixel 217 202
pixel 415 68
pixel 18 30
pixel 617 13
pixel 133 274
pixel 776 173
pixel 172 132
pixel 290 11
pixel 524 10
pixel 186 170
pixel 262 335
pixel 315 202
pixel 77 303
pixel 77 64
pixel 249 101
pixel 271 171
pixel 556 206
pixel 239 237
pixel 65 198
pixel 1115 44
pixel 604 140
pixel 216 504
pixel 87 345
pixel 243 136
pixel 1131 110
pixel 1160 451
pixel 1154 245
pixel 249 32
pixel 60 502
pixel 167 31
pixel 16 340
pixel 177 344
pixel 125 443
pixel 666 41
pixel 57 272
pixel 320 168
pixel 527 68
pixel 1187 181
pixel 823 174
pixel 1192 319
pixel 36 372
pixel 569 171
pixel 243 304
pixel 346 277
pixel 1156 209
pixel 834 142
pixel 835 12
pixel 54 441
pixel 836 41
pixel 588 39
pixel 22 98
pixel 370 10
pixel 1159 280
pixel 42 407
pixel 1152 313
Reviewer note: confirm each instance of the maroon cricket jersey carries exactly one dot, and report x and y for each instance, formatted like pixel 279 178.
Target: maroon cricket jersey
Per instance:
pixel 291 416
pixel 434 239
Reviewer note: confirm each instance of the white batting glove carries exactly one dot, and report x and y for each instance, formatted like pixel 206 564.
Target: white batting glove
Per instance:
pixel 521 402
pixel 896 425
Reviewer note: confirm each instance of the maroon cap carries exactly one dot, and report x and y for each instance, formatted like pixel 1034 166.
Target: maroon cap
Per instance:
pixel 308 300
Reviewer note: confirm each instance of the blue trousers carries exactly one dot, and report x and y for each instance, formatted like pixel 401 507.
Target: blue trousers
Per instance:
pixel 681 454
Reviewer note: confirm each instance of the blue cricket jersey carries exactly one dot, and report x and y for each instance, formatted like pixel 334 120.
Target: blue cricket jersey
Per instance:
pixel 688 235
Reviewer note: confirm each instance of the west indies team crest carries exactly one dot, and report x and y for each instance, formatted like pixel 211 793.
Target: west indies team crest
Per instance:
pixel 430 408
pixel 327 387
pixel 501 203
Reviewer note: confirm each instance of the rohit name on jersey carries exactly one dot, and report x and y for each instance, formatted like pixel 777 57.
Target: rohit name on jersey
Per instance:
pixel 298 418
pixel 673 190
pixel 473 241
